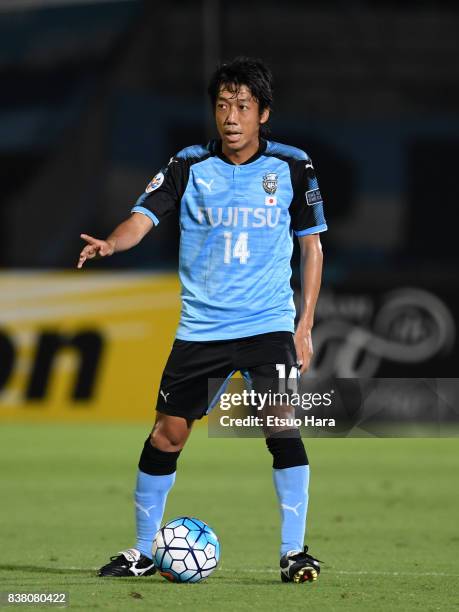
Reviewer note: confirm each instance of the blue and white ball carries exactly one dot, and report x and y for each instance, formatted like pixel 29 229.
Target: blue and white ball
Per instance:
pixel 185 550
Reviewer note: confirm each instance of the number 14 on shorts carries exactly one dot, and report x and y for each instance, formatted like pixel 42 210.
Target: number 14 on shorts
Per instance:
pixel 236 249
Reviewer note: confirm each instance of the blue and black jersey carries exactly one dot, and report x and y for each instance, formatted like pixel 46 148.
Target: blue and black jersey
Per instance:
pixel 237 224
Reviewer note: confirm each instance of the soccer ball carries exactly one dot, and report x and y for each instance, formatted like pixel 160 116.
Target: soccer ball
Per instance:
pixel 185 550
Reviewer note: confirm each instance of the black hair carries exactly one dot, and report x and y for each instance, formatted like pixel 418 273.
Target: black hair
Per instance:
pixel 249 71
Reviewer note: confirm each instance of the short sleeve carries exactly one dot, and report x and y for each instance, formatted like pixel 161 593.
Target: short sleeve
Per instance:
pixel 163 193
pixel 306 208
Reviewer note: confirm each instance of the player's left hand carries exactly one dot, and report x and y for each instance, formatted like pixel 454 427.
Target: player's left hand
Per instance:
pixel 303 346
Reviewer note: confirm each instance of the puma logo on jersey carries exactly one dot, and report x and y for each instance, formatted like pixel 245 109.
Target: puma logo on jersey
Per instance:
pixel 201 181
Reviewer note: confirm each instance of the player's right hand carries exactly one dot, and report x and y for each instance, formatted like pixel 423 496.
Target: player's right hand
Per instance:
pixel 94 248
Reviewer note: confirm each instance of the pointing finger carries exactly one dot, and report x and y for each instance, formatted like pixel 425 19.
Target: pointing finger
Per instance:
pixel 90 239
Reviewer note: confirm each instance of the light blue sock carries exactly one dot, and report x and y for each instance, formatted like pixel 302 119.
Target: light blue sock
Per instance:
pixel 292 491
pixel 150 500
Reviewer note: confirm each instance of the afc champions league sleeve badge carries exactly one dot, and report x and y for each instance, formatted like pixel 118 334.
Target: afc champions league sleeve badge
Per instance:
pixel 155 182
pixel 270 183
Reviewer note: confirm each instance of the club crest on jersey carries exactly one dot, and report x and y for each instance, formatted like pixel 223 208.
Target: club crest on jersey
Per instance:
pixel 155 182
pixel 270 182
pixel 313 197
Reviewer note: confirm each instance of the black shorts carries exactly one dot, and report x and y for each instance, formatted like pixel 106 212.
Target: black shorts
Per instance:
pixel 196 373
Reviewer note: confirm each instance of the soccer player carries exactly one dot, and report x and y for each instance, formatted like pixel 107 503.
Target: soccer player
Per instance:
pixel 240 200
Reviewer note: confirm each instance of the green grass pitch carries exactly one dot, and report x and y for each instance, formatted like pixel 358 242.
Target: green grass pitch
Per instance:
pixel 383 516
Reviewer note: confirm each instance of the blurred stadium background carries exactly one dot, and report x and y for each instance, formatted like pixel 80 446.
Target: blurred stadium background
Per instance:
pixel 97 95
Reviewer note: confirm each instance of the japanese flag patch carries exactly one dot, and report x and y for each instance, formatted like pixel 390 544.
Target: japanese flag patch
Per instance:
pixel 155 182
pixel 313 197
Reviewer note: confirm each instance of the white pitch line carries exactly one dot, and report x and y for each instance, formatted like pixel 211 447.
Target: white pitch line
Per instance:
pixel 377 573
pixel 345 572
pixel 275 571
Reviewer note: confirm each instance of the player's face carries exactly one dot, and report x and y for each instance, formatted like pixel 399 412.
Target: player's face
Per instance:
pixel 238 119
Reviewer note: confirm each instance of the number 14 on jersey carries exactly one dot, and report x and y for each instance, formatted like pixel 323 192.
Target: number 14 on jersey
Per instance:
pixel 240 249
